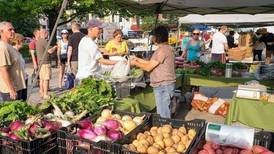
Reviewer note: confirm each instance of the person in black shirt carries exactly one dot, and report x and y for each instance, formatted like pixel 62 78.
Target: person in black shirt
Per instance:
pixel 268 39
pixel 230 40
pixel 73 43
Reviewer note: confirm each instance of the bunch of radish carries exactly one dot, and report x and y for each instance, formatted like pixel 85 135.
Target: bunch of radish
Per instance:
pixel 211 148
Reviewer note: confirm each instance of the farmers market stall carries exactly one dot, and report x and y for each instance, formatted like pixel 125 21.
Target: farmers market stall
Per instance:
pixel 253 113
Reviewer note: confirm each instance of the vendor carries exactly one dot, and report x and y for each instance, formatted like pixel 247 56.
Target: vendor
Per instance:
pixel 90 58
pixel 162 71
pixel 194 47
pixel 116 47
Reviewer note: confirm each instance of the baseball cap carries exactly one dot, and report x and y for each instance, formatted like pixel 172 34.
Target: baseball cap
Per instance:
pixel 64 31
pixel 95 23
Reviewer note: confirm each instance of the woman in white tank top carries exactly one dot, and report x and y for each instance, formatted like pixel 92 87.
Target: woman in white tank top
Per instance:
pixel 62 56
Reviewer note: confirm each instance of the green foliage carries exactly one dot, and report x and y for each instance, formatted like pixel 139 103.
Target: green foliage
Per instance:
pixel 15 110
pixel 25 51
pixel 92 95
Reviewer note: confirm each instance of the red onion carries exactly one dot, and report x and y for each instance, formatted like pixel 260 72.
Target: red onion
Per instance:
pixel 33 128
pixel 87 134
pixel 51 125
pixel 5 130
pixel 112 124
pixel 85 124
pixel 14 137
pixel 16 125
pixel 114 135
pixel 100 130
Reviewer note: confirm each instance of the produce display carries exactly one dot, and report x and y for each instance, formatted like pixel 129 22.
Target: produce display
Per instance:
pixel 32 128
pixel 212 105
pixel 161 140
pixel 90 97
pixel 15 110
pixel 108 126
pixel 211 148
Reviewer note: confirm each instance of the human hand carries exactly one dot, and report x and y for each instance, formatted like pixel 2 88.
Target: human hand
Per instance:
pixel 13 94
pixel 35 67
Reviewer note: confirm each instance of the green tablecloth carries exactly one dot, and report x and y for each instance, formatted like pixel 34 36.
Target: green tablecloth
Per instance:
pixel 204 81
pixel 253 113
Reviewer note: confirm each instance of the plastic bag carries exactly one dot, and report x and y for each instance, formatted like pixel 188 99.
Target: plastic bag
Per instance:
pixel 121 69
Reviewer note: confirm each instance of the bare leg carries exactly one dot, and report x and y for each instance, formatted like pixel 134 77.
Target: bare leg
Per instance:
pixel 41 90
pixel 61 75
pixel 46 87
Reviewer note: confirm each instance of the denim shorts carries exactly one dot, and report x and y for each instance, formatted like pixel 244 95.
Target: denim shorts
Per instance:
pixel 163 95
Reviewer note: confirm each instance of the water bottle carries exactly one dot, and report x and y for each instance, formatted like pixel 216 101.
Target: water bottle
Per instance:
pixel 228 70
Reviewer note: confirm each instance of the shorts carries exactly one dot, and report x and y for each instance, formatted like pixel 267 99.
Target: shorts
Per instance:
pixel 218 57
pixel 45 72
pixel 63 58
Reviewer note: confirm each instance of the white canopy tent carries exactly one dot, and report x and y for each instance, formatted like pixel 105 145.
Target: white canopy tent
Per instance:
pixel 227 19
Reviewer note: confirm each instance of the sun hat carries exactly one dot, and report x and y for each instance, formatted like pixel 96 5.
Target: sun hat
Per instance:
pixel 64 31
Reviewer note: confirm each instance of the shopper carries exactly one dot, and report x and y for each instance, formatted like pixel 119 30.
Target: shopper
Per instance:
pixel 32 48
pixel 230 40
pixel 17 43
pixel 73 44
pixel 90 58
pixel 194 47
pixel 162 71
pixel 258 46
pixel 12 80
pixel 62 47
pixel 268 39
pixel 219 45
pixel 44 62
pixel 116 47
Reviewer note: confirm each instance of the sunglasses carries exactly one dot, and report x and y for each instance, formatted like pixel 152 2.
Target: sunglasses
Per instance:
pixel 195 33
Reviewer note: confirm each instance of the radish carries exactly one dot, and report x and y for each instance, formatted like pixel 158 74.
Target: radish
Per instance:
pixel 16 125
pixel 114 135
pixel 33 128
pixel 112 124
pixel 87 134
pixel 85 124
pixel 100 130
pixel 14 137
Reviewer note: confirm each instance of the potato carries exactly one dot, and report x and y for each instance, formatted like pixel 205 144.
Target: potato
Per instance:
pixel 153 132
pixel 180 134
pixel 166 129
pixel 144 142
pixel 191 133
pixel 147 133
pixel 175 131
pixel 161 152
pixel 159 130
pixel 182 130
pixel 158 138
pixel 184 139
pixel 154 128
pixel 246 152
pixel 136 143
pixel 150 139
pixel 168 126
pixel 126 146
pixel 166 135
pixel 168 142
pixel 188 143
pixel 161 143
pixel 141 136
pixel 152 150
pixel 180 148
pixel 142 148
pixel 170 149
pixel 132 147
pixel 176 138
pixel 157 146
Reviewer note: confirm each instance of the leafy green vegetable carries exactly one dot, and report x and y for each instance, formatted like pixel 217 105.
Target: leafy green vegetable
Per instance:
pixel 92 95
pixel 15 110
pixel 239 66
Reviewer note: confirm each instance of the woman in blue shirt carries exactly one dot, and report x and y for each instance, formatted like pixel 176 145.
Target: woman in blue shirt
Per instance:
pixel 193 48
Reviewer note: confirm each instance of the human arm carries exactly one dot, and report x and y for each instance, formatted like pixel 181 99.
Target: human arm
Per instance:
pixel 53 49
pixel 58 53
pixel 32 53
pixel 7 79
pixel 147 65
pixel 106 61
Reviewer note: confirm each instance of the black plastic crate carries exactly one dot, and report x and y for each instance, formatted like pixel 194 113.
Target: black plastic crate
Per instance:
pixel 156 120
pixel 261 138
pixel 70 143
pixel 46 145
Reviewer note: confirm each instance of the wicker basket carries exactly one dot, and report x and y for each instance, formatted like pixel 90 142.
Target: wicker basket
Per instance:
pixel 236 54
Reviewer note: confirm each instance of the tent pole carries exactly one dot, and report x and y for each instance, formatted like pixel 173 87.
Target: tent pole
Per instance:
pixel 63 7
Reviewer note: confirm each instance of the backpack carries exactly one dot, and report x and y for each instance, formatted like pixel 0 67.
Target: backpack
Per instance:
pixel 69 78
